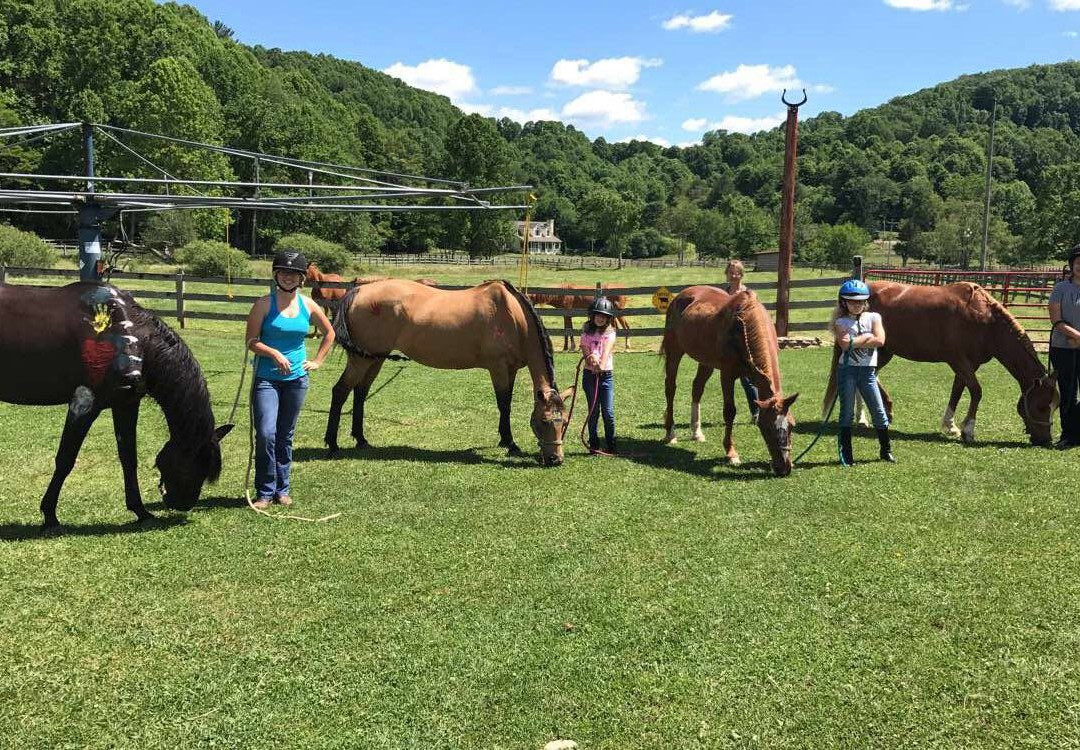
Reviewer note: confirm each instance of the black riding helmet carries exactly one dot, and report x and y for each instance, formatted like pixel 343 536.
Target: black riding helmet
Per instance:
pixel 1073 255
pixel 603 306
pixel 290 260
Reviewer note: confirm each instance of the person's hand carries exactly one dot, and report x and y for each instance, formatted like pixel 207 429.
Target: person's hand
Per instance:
pixel 311 364
pixel 282 363
pixel 1073 340
pixel 844 341
pixel 593 360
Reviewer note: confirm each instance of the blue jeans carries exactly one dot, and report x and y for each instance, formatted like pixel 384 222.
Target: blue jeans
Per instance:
pixel 865 379
pixel 607 404
pixel 751 394
pixel 276 408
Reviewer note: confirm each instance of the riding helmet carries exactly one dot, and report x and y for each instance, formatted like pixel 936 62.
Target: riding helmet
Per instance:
pixel 1073 255
pixel 603 306
pixel 290 260
pixel 854 289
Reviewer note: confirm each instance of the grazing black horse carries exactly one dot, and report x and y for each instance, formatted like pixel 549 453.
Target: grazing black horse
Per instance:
pixel 92 347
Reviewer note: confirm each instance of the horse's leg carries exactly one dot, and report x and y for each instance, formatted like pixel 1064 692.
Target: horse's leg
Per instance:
pixel 673 356
pixel 727 385
pixel 967 374
pixel 75 429
pixel 626 329
pixel 884 357
pixel 702 377
pixel 125 419
pixel 350 378
pixel 568 333
pixel 503 382
pixel 948 424
pixel 360 394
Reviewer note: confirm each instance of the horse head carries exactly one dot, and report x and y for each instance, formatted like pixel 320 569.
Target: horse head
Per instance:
pixel 184 469
pixel 1035 406
pixel 775 422
pixel 548 424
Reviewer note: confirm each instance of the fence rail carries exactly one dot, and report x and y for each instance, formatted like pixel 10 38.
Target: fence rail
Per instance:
pixel 182 296
pixel 1027 290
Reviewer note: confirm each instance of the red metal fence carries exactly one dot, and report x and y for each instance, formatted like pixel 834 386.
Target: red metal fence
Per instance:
pixel 1025 293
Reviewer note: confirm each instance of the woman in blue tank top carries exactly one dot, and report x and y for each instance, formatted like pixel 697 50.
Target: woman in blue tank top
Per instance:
pixel 277 327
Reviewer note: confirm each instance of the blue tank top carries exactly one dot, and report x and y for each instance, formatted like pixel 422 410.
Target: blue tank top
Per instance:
pixel 287 335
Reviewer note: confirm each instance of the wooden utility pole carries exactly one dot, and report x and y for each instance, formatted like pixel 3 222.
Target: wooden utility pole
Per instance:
pixel 787 215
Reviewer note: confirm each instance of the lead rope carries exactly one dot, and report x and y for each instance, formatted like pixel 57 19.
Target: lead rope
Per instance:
pixel 251 449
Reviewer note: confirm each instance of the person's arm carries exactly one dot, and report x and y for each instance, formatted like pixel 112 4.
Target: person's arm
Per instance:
pixel 254 328
pixel 843 338
pixel 875 339
pixel 609 344
pixel 324 325
pixel 1059 324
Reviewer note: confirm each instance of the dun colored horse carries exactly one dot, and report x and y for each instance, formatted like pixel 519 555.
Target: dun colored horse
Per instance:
pixel 963 326
pixel 491 326
pixel 581 302
pixel 92 347
pixel 733 333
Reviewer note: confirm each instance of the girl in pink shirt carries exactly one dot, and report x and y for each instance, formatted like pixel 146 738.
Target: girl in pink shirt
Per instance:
pixel 597 342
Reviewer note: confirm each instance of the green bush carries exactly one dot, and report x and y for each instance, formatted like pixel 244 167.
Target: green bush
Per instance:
pixel 330 257
pixel 19 248
pixel 212 258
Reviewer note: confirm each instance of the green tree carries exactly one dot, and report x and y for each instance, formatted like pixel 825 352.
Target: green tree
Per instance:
pixel 612 218
pixel 838 245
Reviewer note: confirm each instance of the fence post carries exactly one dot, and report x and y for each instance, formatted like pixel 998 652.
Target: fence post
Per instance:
pixel 3 273
pixel 180 297
pixel 599 290
pixel 856 268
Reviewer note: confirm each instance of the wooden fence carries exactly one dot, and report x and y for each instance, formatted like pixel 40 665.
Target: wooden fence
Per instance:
pixel 176 288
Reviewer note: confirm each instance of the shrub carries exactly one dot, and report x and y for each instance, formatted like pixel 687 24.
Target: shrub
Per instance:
pixel 19 248
pixel 330 257
pixel 212 258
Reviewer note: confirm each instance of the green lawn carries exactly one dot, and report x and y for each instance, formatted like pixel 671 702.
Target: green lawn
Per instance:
pixel 467 600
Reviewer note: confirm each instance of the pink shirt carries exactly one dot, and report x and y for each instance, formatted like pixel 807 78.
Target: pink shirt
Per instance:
pixel 593 343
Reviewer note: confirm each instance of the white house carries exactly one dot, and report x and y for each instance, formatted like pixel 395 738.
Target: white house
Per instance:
pixel 542 239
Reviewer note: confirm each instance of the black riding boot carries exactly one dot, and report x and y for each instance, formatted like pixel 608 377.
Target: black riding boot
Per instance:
pixel 846 459
pixel 886 445
pixel 611 446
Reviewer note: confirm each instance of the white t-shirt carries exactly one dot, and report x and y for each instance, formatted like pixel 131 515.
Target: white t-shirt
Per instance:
pixel 855 327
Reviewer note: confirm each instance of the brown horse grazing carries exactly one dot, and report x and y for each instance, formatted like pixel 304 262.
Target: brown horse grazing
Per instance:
pixel 491 326
pixel 581 302
pixel 734 333
pixel 92 347
pixel 962 325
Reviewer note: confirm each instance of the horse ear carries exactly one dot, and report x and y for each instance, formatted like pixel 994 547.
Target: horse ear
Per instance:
pixel 222 431
pixel 788 402
pixel 568 393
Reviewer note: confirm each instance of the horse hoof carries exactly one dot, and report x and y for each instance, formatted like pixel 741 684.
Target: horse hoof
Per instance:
pixel 734 460
pixel 514 451
pixel 698 437
pixel 149 521
pixel 362 444
pixel 52 529
pixel 670 439
pixel 332 451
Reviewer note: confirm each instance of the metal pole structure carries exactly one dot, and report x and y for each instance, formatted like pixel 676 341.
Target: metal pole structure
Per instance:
pixel 989 184
pixel 787 215
pixel 254 213
pixel 91 215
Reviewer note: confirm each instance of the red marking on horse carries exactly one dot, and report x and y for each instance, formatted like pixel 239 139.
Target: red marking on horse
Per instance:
pixel 97 355
pixel 375 309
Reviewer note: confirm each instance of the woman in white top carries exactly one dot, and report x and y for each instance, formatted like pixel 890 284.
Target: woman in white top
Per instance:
pixel 859 334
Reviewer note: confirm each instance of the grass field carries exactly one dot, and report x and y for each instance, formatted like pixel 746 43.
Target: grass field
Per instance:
pixel 468 600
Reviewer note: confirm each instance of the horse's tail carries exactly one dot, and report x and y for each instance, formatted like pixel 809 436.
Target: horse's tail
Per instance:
pixel 341 321
pixel 830 387
pixel 671 319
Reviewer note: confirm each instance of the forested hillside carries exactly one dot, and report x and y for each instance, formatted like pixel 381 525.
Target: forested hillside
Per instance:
pixel 915 164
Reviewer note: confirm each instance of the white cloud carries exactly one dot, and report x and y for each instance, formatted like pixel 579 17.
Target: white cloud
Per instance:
pixel 737 124
pixel 609 73
pixel 710 22
pixel 651 139
pixel 751 81
pixel 688 144
pixel 605 108
pixel 1065 4
pixel 1070 34
pixel 475 109
pixel 511 91
pixel 442 76
pixel 694 124
pixel 1019 4
pixel 523 116
pixel 921 4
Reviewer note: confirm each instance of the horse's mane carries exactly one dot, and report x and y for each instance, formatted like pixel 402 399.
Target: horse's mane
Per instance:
pixel 758 336
pixel 545 339
pixel 1001 315
pixel 174 378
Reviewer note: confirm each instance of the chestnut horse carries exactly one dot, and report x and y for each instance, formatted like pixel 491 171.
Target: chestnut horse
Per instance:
pixel 732 332
pixel 491 326
pixel 581 302
pixel 962 325
pixel 92 347
pixel 324 296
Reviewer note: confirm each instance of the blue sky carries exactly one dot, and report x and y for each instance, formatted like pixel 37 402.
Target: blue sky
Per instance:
pixel 667 71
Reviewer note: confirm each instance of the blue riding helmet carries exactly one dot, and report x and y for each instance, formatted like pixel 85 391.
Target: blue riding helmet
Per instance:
pixel 854 289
